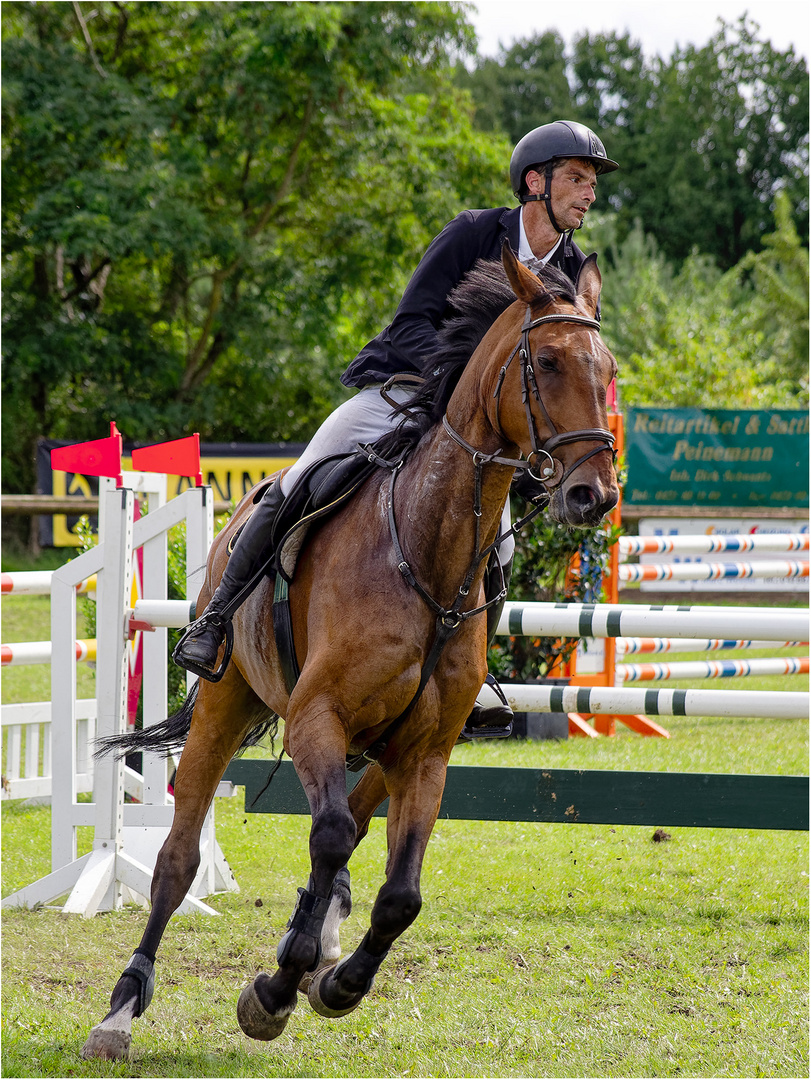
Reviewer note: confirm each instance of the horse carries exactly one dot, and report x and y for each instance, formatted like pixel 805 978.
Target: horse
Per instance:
pixel 519 383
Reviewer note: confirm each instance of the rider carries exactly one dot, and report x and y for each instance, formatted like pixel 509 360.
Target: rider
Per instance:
pixel 553 172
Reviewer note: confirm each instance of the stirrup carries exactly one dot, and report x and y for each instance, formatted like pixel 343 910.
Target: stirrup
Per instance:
pixel 489 731
pixel 192 665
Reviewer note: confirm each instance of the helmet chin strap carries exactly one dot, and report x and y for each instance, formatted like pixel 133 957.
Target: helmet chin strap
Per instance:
pixel 546 198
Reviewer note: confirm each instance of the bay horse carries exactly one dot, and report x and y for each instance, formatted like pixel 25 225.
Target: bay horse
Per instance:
pixel 521 384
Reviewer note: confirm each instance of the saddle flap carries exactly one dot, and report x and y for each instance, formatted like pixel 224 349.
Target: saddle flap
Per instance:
pixel 321 490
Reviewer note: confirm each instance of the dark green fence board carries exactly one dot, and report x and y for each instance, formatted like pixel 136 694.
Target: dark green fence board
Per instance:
pixel 570 796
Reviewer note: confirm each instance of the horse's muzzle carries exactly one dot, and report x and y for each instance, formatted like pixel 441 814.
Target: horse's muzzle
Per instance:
pixel 583 504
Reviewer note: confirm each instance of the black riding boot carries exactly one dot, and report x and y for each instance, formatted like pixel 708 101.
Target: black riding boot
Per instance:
pixel 493 721
pixel 254 548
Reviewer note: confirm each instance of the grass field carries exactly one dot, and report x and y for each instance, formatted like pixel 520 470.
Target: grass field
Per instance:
pixel 542 950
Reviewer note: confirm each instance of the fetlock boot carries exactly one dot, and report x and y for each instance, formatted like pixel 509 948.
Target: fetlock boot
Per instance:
pixel 491 716
pixel 249 560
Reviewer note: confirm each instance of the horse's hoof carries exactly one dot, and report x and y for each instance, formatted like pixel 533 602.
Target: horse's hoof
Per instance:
pixel 256 1021
pixel 107 1043
pixel 316 1001
pixel 308 976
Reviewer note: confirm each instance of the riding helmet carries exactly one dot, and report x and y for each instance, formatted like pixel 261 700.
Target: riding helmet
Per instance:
pixel 561 139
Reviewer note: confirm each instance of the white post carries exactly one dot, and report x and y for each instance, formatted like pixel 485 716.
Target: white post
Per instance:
pixel 95 880
pixel 98 885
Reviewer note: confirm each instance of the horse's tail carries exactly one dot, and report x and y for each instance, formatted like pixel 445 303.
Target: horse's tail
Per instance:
pixel 163 738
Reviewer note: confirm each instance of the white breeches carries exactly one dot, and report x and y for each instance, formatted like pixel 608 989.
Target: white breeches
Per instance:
pixel 363 419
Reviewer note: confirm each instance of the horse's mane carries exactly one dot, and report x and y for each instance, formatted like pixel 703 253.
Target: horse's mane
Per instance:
pixel 475 304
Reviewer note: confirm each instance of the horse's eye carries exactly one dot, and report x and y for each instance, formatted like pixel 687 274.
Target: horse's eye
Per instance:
pixel 547 363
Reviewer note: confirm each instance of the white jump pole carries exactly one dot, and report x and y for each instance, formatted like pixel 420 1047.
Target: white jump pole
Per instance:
pixel 634 645
pixel 621 701
pixel 713 669
pixel 641 620
pixel 704 571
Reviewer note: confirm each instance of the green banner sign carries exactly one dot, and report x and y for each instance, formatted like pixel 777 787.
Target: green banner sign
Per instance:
pixel 716 457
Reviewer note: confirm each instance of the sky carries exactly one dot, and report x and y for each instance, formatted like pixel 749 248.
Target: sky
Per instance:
pixel 659 25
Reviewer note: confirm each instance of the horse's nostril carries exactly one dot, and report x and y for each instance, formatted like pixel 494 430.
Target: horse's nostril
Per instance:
pixel 582 498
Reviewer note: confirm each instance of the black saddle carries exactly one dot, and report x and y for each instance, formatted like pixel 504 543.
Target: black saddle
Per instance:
pixel 321 490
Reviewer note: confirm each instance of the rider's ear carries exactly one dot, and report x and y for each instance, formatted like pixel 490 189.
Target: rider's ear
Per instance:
pixel 526 285
pixel 589 283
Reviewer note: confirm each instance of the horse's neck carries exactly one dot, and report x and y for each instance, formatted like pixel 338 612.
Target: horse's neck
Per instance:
pixel 436 515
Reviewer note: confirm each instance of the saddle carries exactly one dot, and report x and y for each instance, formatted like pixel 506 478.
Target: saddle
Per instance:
pixel 321 490
pixel 325 487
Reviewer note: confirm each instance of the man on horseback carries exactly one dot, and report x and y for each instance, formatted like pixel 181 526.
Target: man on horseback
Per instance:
pixel 553 172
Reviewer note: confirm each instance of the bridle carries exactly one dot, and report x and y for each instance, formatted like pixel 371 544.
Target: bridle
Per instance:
pixel 541 449
pixel 448 620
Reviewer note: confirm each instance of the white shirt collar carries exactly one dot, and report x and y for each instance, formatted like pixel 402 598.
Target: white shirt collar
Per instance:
pixel 525 252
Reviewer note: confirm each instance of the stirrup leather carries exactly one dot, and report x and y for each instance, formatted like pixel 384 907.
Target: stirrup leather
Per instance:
pixel 213 619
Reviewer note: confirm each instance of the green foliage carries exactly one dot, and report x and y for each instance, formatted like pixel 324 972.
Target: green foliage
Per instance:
pixel 779 276
pixel 695 336
pixel 203 205
pixel 526 85
pixel 705 138
pixel 208 208
pixel 543 571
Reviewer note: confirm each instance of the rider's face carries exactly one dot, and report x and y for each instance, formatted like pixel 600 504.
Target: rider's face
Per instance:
pixel 574 184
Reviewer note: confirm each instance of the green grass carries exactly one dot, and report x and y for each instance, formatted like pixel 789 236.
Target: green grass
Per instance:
pixel 541 950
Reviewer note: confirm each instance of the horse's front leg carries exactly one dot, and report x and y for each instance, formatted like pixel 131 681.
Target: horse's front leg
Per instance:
pixel 317 746
pixel 208 750
pixel 414 805
pixel 364 799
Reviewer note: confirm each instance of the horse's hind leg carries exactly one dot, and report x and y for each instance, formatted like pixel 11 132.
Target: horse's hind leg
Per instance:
pixel 266 1003
pixel 412 813
pixel 211 744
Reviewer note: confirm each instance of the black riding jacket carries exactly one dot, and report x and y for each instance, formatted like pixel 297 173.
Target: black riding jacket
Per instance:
pixel 409 341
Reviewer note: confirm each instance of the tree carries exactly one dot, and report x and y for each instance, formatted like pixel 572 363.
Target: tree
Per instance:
pixel 524 86
pixel 693 335
pixel 705 139
pixel 779 277
pixel 725 130
pixel 212 202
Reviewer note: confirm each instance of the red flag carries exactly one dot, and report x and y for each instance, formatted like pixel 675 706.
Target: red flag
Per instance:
pixel 181 457
pixel 101 457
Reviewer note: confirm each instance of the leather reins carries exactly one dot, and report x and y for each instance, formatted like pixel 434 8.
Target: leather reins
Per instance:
pixel 448 620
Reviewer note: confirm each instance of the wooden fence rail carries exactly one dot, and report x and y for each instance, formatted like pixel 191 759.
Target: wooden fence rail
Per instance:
pixel 572 796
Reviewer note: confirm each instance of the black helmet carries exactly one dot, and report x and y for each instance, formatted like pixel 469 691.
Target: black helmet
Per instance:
pixel 561 139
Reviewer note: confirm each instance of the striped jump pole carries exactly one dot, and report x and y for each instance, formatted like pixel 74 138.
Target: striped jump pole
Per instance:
pixel 621 700
pixel 713 669
pixel 642 620
pixel 37 583
pixel 39 652
pixel 632 645
pixel 708 544
pixel 701 571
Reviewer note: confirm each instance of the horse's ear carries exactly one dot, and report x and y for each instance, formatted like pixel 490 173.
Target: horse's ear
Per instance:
pixel 589 283
pixel 526 285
